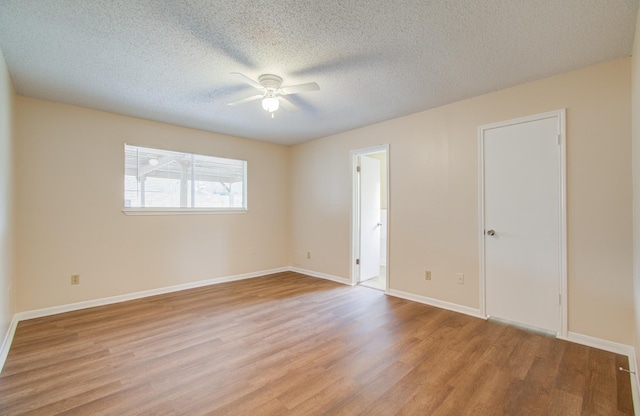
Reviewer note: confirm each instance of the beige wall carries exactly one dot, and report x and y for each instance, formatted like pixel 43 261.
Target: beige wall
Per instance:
pixel 434 195
pixel 7 286
pixel 635 125
pixel 69 197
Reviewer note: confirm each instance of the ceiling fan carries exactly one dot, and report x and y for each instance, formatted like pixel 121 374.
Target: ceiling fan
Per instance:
pixel 272 93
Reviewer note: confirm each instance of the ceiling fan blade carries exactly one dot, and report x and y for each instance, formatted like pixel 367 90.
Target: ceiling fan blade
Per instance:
pixel 294 89
pixel 287 105
pixel 246 100
pixel 248 80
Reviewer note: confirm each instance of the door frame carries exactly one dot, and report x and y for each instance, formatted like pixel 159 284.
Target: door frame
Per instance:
pixel 562 232
pixel 355 210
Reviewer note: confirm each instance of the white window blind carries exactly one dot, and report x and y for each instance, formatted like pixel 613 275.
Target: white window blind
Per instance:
pixel 162 179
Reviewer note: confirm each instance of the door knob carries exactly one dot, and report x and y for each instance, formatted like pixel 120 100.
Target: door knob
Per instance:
pixel 491 232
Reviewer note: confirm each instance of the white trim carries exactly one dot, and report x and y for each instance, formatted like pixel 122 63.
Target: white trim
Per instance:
pixel 182 211
pixel 8 339
pixel 437 303
pixel 331 277
pixel 564 290
pixel 601 344
pixel 355 202
pixel 610 346
pixel 355 209
pixel 635 381
pixel 38 313
pixel 616 348
pixel 561 128
pixel 386 254
pixel 481 276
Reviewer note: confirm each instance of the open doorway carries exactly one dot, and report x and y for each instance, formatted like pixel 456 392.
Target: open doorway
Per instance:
pixel 370 217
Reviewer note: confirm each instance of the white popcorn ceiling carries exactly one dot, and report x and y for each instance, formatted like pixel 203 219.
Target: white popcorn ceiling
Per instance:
pixel 374 60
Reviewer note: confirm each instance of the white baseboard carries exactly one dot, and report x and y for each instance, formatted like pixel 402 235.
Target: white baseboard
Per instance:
pixel 144 294
pixel 635 381
pixel 577 338
pixel 53 310
pixel 617 348
pixel 599 343
pixel 8 339
pixel 38 313
pixel 311 273
pixel 437 303
pixel 589 341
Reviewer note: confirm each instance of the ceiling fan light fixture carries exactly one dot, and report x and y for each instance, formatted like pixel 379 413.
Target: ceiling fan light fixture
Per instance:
pixel 270 103
pixel 271 92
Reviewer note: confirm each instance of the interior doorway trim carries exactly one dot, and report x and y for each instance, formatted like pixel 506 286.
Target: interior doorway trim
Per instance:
pixel 355 207
pixel 560 115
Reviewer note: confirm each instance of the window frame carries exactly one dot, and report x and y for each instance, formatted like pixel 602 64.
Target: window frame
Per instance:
pixel 185 210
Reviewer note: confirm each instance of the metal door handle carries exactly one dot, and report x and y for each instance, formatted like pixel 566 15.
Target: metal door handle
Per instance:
pixel 491 232
pixel 379 224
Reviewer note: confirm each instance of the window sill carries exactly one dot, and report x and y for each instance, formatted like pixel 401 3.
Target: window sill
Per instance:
pixel 183 211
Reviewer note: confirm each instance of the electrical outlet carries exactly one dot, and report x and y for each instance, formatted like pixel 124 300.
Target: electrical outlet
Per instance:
pixel 427 275
pixel 460 278
pixel 75 279
pixel 308 254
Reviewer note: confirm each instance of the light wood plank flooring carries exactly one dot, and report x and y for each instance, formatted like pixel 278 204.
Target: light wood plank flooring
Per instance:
pixel 287 344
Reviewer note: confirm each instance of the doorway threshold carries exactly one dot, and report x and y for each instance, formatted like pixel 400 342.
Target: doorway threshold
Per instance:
pixel 379 282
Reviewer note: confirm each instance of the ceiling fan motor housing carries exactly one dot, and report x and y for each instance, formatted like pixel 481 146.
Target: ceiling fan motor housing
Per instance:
pixel 270 81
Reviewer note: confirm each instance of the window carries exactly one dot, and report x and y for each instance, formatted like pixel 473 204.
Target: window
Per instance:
pixel 162 180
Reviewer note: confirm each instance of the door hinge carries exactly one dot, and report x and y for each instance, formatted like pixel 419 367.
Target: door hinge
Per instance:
pixel 357 261
pixel 559 137
pixel 358 169
pixel 559 299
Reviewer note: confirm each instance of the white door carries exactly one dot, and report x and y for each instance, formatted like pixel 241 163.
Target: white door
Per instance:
pixel 522 222
pixel 370 224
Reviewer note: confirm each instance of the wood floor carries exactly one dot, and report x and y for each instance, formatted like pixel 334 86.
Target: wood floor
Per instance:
pixel 287 344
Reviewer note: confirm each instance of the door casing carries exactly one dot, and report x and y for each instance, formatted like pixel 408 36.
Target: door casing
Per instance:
pixel 355 231
pixel 370 218
pixel 562 232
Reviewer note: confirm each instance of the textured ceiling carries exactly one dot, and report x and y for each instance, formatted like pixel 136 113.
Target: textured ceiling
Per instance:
pixel 374 60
